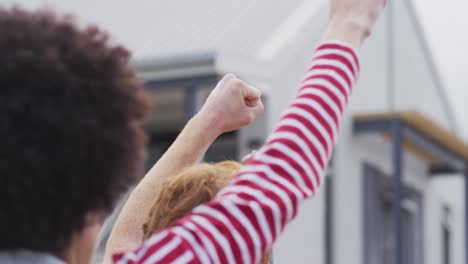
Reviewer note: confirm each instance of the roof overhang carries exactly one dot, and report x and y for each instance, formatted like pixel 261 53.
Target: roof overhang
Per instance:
pixel 181 70
pixel 440 148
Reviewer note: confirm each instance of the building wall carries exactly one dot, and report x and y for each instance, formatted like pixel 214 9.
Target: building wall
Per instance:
pixel 450 191
pixel 412 88
pixel 303 240
pixel 349 157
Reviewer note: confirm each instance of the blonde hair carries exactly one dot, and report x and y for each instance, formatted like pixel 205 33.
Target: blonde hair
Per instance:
pixel 183 192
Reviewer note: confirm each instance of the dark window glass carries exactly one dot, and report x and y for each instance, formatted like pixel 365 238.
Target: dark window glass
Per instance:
pixel 446 236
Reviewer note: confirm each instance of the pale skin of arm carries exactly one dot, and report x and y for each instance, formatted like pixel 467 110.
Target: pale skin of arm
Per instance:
pixel 231 105
pixel 351 21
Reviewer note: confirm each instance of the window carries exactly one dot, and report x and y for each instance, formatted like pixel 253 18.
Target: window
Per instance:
pixel 224 148
pixel 168 112
pixel 379 233
pixel 168 119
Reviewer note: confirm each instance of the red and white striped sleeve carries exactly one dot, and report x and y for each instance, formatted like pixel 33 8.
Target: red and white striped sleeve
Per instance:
pixel 248 215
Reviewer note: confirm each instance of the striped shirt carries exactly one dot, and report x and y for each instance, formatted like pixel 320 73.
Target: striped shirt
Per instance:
pixel 248 215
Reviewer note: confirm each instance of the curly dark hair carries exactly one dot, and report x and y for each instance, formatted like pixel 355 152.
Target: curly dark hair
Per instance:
pixel 70 134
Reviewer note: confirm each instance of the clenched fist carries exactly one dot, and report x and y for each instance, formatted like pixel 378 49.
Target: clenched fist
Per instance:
pixel 231 105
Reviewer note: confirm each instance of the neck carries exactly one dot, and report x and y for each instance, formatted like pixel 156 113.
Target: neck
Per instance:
pixel 81 246
pixel 68 255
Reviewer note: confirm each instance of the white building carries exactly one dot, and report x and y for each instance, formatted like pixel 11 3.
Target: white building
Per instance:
pixel 182 48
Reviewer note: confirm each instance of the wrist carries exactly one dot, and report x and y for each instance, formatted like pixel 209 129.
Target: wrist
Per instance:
pixel 207 124
pixel 353 30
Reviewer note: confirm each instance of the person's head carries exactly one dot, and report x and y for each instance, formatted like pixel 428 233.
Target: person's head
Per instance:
pixel 70 135
pixel 181 193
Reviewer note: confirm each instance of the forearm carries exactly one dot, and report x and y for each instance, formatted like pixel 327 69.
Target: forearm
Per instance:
pixel 351 31
pixel 187 149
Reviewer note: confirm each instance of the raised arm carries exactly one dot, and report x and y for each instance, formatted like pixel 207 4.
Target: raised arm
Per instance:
pixel 249 214
pixel 231 105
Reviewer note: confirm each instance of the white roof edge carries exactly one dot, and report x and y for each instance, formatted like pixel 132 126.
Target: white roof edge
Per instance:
pixel 289 29
pixel 176 61
pixel 179 66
